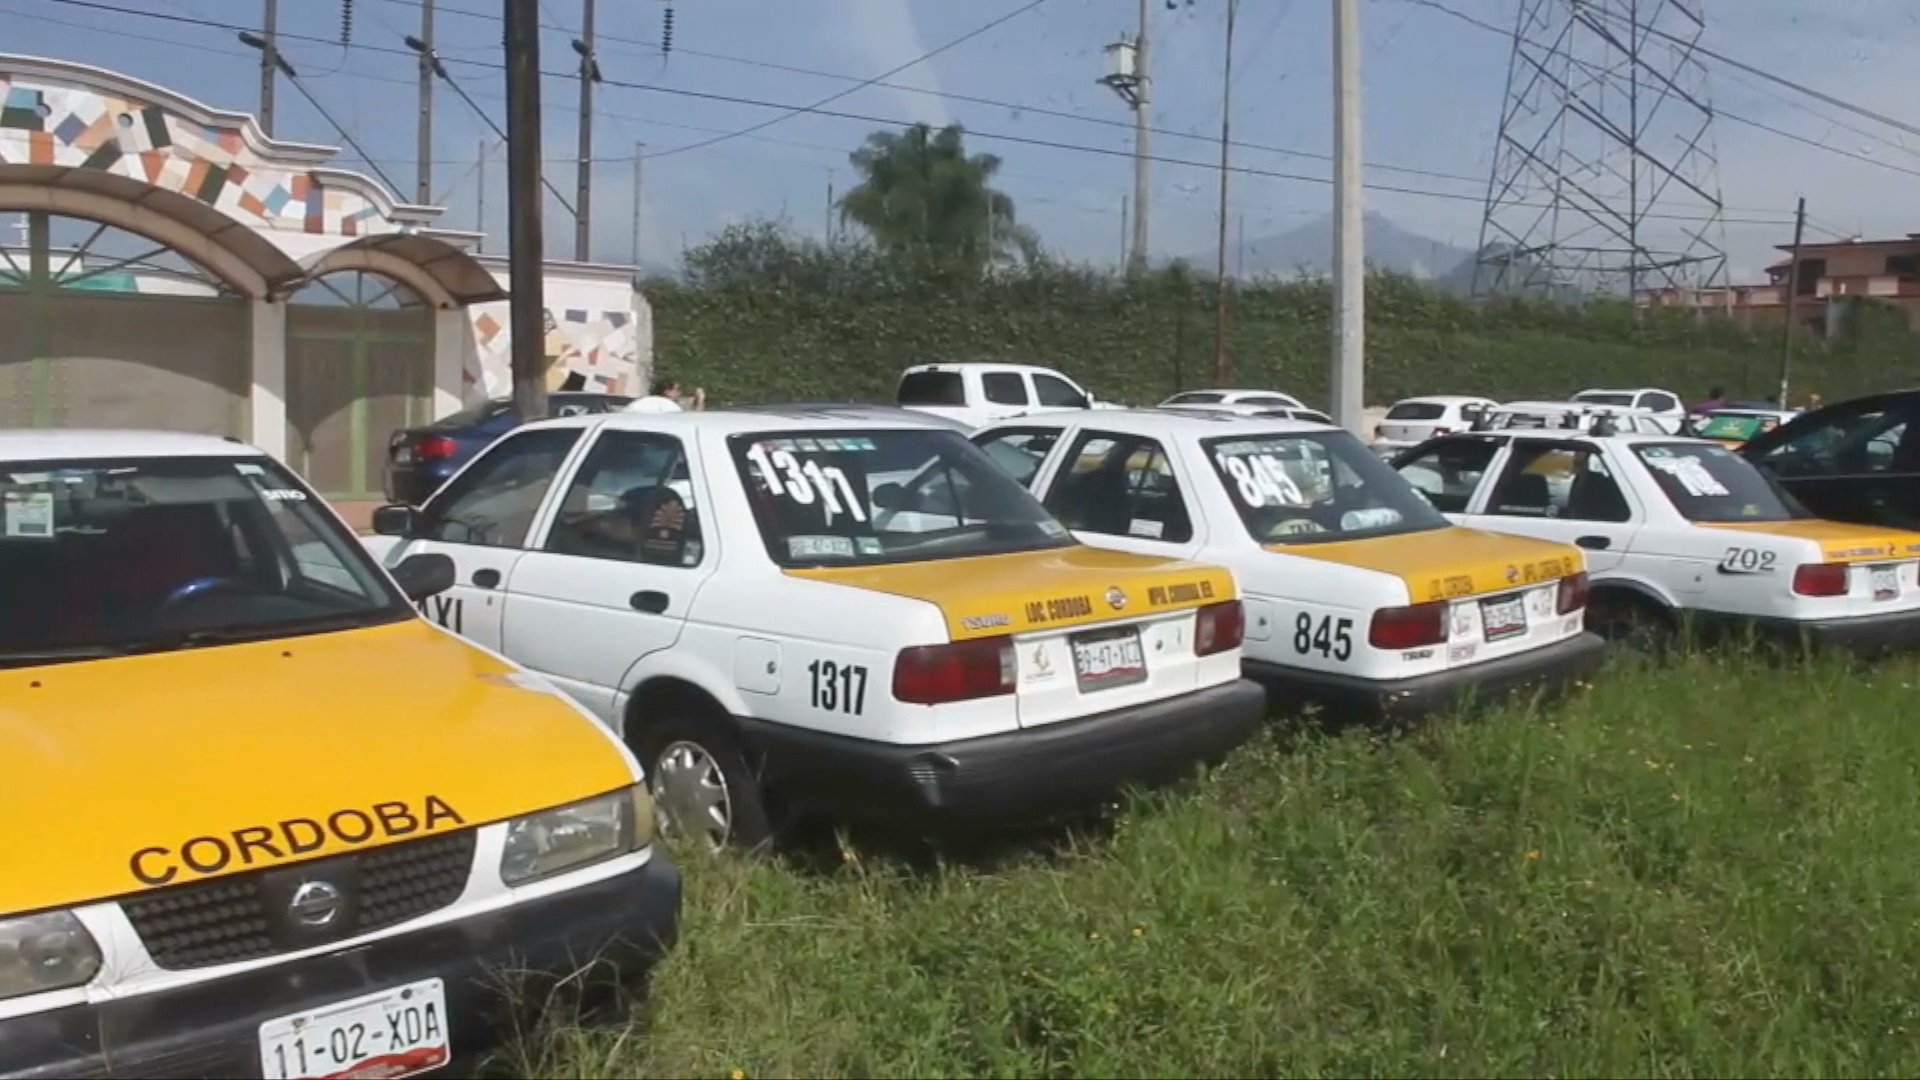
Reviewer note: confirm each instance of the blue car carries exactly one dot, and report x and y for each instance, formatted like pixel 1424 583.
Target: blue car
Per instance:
pixel 420 459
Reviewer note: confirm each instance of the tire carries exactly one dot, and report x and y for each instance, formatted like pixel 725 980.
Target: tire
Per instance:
pixel 701 784
pixel 1632 621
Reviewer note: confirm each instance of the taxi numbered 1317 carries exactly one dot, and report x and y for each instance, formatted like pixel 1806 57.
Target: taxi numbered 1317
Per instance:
pixel 263 819
pixel 1359 596
pixel 808 612
pixel 1675 525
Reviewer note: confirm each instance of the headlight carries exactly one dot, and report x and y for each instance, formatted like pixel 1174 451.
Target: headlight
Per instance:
pixel 49 951
pixel 575 835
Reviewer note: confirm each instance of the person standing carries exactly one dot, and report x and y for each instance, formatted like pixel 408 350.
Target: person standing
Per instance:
pixel 665 395
pixel 1716 399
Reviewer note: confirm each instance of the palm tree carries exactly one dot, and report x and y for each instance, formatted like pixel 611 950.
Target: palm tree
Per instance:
pixel 924 200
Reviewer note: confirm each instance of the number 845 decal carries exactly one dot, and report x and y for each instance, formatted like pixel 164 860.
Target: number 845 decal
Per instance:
pixel 1739 560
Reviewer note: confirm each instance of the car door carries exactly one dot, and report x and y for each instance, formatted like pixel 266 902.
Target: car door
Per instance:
pixel 1004 394
pixel 1052 392
pixel 1019 451
pixel 1858 461
pixel 1127 492
pixel 1565 491
pixel 481 520
pixel 1449 471
pixel 614 573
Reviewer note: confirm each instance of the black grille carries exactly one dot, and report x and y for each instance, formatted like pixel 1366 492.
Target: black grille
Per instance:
pixel 232 919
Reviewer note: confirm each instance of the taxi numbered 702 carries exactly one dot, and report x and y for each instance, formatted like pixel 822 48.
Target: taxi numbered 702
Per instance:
pixel 1677 527
pixel 807 612
pixel 1359 596
pixel 262 818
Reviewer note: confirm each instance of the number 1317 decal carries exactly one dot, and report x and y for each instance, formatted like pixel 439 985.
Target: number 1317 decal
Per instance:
pixel 839 687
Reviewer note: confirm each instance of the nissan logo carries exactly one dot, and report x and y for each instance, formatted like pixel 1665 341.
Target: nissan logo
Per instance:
pixel 315 904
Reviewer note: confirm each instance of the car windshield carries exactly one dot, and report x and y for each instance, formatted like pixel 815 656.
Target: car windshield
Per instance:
pixel 1708 482
pixel 1530 420
pixel 858 497
pixel 1604 397
pixel 932 388
pixel 1417 410
pixel 1314 487
pixel 108 557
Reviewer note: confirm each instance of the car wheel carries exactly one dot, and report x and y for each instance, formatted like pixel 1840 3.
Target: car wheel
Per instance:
pixel 1631 621
pixel 702 787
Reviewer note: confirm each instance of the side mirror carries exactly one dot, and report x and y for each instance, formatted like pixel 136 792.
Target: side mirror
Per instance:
pixel 890 496
pixel 421 576
pixel 394 519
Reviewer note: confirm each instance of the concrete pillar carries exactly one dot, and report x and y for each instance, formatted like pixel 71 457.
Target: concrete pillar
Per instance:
pixel 452 330
pixel 269 399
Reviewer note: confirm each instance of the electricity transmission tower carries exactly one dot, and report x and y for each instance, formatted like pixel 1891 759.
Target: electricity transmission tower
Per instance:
pixel 1605 177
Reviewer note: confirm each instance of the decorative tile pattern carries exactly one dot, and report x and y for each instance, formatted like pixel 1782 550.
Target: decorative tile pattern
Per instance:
pixel 592 350
pixel 47 123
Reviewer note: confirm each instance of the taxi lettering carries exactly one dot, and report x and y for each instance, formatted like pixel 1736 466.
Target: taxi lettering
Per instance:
pixel 445 610
pixel 1447 588
pixel 250 844
pixel 1184 592
pixel 1545 570
pixel 1060 607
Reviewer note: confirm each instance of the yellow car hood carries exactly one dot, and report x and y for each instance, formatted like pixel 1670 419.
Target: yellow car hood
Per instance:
pixel 135 772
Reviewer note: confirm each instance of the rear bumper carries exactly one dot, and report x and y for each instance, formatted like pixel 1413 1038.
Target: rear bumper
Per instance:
pixel 211 1028
pixel 1000 779
pixel 1867 634
pixel 1551 668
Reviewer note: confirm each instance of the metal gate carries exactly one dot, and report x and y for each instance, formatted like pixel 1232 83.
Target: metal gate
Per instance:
pixel 359 365
pixel 101 328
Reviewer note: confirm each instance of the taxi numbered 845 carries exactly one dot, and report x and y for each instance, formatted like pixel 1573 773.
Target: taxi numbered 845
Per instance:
pixel 1359 595
pixel 808 612
pixel 1676 527
pixel 261 818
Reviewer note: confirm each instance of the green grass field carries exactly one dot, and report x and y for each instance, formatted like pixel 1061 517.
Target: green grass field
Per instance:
pixel 1702 867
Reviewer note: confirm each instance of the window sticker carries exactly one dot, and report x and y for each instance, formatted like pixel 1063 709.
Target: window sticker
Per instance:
pixel 1691 474
pixel 248 468
pixel 1376 517
pixel 820 547
pixel 29 515
pixel 806 481
pixel 1262 478
pixel 1151 530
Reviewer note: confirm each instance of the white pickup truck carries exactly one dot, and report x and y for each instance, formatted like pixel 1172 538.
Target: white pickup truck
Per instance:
pixel 977 393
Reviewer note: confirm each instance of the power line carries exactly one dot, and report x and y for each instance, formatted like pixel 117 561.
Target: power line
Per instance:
pixel 863 84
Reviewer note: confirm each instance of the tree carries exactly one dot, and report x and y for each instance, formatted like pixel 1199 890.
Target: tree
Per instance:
pixel 922 200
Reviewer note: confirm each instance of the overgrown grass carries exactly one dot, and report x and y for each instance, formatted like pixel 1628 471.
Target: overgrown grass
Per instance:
pixel 1706 867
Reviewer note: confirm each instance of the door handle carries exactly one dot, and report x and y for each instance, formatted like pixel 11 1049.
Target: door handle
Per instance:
pixel 486 577
pixel 650 601
pixel 1594 543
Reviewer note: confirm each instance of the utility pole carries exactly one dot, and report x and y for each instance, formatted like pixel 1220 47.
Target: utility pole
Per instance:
pixel 1349 252
pixel 1793 296
pixel 423 184
pixel 1222 365
pixel 1123 229
pixel 480 197
pixel 1127 76
pixel 829 222
pixel 526 244
pixel 583 182
pixel 639 155
pixel 268 62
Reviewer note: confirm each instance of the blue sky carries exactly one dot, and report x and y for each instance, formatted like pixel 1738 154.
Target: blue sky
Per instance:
pixel 1433 86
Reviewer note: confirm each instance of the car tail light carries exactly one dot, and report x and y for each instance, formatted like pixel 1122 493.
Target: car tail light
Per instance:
pixel 1409 627
pixel 1439 431
pixel 434 447
pixel 1379 431
pixel 961 671
pixel 1821 579
pixel 1218 627
pixel 1573 592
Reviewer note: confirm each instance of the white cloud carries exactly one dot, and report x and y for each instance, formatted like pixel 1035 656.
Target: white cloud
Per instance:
pixel 885 33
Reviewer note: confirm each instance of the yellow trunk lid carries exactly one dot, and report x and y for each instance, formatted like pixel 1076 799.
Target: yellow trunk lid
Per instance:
pixel 1450 562
pixel 984 595
pixel 1839 541
pixel 131 773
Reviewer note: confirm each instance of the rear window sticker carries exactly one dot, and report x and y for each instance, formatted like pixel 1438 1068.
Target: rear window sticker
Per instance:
pixel 29 514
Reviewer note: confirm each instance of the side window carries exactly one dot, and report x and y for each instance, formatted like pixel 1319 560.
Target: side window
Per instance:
pixel 1545 480
pixel 1448 473
pixel 631 500
pixel 493 502
pixel 1659 402
pixel 1004 388
pixel 1020 453
pixel 1121 485
pixel 1054 392
pixel 1854 442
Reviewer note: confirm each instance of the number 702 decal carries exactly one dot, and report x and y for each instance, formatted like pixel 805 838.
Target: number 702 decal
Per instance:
pixel 1739 560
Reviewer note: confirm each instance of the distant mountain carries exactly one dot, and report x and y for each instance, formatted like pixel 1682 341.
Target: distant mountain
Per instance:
pixel 1309 250
pixel 1460 280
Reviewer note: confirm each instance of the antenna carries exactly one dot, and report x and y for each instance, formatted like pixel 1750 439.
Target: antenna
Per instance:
pixel 1605 177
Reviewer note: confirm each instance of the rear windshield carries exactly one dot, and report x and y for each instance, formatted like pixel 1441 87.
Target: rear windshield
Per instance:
pixel 1572 420
pixel 1707 482
pixel 1316 486
pixel 1602 397
pixel 1196 397
pixel 1416 410
pixel 849 498
pixel 471 415
pixel 932 388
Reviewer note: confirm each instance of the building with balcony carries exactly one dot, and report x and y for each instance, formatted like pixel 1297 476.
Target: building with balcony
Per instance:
pixel 1830 275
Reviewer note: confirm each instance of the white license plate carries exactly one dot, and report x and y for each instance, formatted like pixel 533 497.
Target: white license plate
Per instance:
pixel 1886 582
pixel 1504 618
pixel 1108 658
pixel 393 1033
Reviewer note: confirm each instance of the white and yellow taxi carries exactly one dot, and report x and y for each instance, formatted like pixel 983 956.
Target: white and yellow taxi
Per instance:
pixel 261 818
pixel 1674 525
pixel 810 610
pixel 1359 595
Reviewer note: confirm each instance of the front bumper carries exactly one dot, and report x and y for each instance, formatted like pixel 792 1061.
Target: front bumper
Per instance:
pixel 1001 779
pixel 1866 634
pixel 211 1029
pixel 1551 668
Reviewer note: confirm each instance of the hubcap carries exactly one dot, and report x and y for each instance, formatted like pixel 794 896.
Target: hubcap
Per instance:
pixel 690 794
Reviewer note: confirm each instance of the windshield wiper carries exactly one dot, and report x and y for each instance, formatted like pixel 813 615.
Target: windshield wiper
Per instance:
pixel 235 633
pixel 58 654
